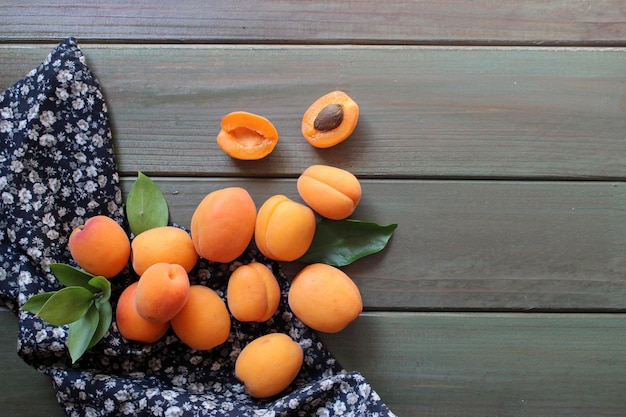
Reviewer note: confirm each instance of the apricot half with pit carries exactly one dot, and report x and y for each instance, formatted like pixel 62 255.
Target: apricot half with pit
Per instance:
pixel 330 120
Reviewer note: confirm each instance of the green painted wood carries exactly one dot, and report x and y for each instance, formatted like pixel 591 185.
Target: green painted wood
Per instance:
pixel 365 21
pixel 463 364
pixel 23 390
pixel 476 245
pixel 488 365
pixel 425 112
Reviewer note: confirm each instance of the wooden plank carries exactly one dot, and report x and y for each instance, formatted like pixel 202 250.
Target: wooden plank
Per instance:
pixel 425 112
pixel 395 21
pixel 473 365
pixel 475 245
pixel 439 364
pixel 23 390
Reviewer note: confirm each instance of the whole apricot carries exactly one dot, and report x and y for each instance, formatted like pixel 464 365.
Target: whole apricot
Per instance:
pixel 324 298
pixel 100 246
pixel 268 364
pixel 131 325
pixel 284 228
pixel 162 292
pixel 332 192
pixel 253 293
pixel 203 322
pixel 223 224
pixel 163 244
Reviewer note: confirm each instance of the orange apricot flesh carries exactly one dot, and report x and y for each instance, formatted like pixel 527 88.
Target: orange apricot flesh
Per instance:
pixel 284 228
pixel 324 298
pixel 131 325
pixel 203 323
pixel 223 224
pixel 327 134
pixel 247 136
pixel 253 293
pixel 162 292
pixel 163 244
pixel 269 364
pixel 100 246
pixel 332 192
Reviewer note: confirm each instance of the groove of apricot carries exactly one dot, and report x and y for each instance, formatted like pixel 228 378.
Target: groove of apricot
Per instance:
pixel 269 364
pixel 284 228
pixel 324 298
pixel 253 293
pixel 163 244
pixel 222 225
pixel 203 323
pixel 324 125
pixel 131 325
pixel 162 291
pixel 332 192
pixel 100 246
pixel 247 136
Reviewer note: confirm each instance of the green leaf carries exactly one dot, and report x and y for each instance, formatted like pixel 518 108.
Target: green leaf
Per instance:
pixel 72 277
pixel 35 303
pixel 103 285
pixel 341 242
pixel 81 332
pixel 105 313
pixel 146 207
pixel 66 305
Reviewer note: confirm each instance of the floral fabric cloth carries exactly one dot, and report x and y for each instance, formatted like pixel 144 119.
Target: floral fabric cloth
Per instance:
pixel 57 168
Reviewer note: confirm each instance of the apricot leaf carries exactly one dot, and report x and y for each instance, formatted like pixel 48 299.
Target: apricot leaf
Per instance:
pixel 104 285
pixel 146 207
pixel 35 303
pixel 81 332
pixel 66 305
pixel 105 317
pixel 341 242
pixel 72 277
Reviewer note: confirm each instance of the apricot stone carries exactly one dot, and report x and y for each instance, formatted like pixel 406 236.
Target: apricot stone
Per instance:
pixel 162 292
pixel 268 364
pixel 100 246
pixel 163 244
pixel 332 192
pixel 324 298
pixel 223 224
pixel 284 228
pixel 131 325
pixel 204 322
pixel 253 293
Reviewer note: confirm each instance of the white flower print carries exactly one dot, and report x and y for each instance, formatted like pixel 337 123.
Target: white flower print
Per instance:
pixel 7 198
pixel 47 118
pixel 62 94
pixel 47 140
pixel 64 75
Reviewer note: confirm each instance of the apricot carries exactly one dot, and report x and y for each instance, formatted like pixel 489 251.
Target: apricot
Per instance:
pixel 284 228
pixel 131 325
pixel 100 246
pixel 163 244
pixel 330 120
pixel 332 192
pixel 324 298
pixel 247 136
pixel 268 364
pixel 253 293
pixel 203 322
pixel 162 292
pixel 223 224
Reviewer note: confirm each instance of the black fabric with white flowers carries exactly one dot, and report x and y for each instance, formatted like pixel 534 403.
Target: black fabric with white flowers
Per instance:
pixel 57 168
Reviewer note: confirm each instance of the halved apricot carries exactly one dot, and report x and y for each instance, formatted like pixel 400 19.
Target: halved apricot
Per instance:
pixel 247 136
pixel 330 120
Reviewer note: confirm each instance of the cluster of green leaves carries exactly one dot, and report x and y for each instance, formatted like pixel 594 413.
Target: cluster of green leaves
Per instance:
pixel 83 303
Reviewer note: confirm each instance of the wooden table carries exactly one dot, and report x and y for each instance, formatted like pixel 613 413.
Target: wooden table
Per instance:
pixel 493 133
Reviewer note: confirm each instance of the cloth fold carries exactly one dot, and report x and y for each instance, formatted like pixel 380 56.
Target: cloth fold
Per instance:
pixel 58 169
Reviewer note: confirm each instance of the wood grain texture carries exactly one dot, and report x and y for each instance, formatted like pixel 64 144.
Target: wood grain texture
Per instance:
pixel 477 365
pixel 425 112
pixel 365 21
pixel 472 245
pixel 23 390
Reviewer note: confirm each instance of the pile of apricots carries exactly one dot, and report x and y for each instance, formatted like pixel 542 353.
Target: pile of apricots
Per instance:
pixel 223 225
